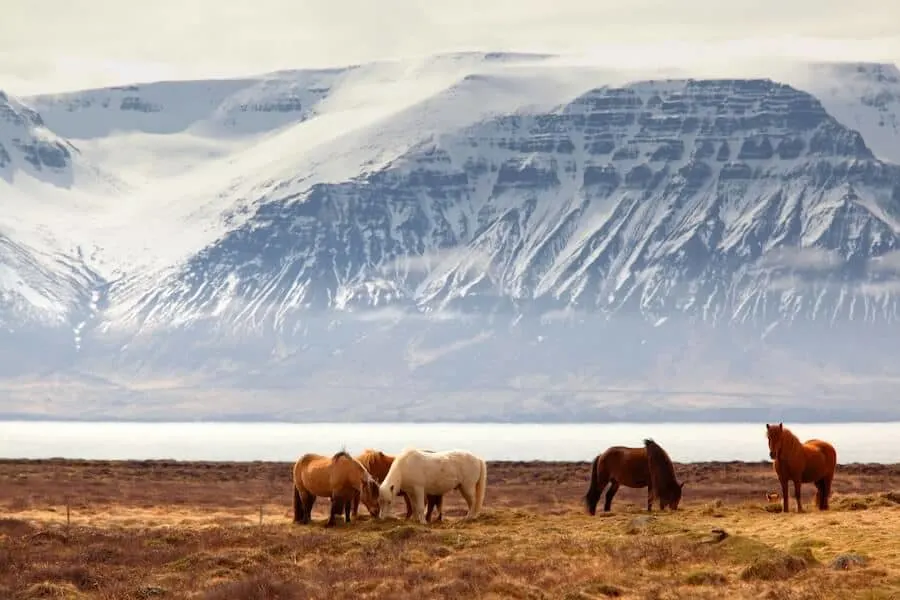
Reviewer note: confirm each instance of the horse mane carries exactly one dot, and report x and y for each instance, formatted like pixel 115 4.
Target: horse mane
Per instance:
pixel 661 468
pixel 341 454
pixel 789 442
pixel 366 456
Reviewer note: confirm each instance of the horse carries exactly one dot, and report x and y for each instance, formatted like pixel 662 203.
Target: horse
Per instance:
pixel 622 465
pixel 378 463
pixel 663 483
pixel 418 473
pixel 813 461
pixel 340 478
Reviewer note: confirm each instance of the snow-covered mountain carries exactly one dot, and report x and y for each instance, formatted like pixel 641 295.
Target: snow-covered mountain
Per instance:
pixel 546 235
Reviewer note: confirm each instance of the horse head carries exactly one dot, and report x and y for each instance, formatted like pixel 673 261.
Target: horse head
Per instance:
pixel 674 497
pixel 773 433
pixel 369 495
pixel 386 493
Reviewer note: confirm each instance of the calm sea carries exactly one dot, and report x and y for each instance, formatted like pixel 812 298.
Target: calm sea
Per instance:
pixel 855 442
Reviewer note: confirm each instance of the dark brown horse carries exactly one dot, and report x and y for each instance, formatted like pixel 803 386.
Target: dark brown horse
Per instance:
pixel 631 467
pixel 813 461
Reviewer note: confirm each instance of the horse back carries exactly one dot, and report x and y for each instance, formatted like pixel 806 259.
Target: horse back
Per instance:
pixel 313 472
pixel 821 457
pixel 303 463
pixel 628 466
pixel 427 467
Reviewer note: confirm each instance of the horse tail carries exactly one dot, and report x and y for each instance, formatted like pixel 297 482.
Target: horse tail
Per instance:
pixel 296 482
pixel 825 493
pixel 480 488
pixel 592 497
pixel 298 505
pixel 832 459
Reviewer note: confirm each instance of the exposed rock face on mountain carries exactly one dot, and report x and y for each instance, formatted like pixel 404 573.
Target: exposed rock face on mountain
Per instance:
pixel 25 143
pixel 722 200
pixel 706 246
pixel 864 97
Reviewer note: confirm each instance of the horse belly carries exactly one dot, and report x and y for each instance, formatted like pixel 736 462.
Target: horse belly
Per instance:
pixel 440 480
pixel 812 471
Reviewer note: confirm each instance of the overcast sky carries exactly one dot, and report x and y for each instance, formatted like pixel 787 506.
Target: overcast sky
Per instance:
pixel 54 45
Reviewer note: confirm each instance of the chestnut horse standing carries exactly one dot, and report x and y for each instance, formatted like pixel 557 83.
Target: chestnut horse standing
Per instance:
pixel 378 464
pixel 341 478
pixel 631 467
pixel 813 461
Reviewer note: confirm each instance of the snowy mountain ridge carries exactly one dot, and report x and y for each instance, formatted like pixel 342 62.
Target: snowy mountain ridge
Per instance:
pixel 219 229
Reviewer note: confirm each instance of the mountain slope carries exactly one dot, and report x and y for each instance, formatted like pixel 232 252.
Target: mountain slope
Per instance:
pixel 862 96
pixel 694 197
pixel 471 236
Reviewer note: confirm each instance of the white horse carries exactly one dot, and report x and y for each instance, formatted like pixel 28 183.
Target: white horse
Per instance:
pixel 418 473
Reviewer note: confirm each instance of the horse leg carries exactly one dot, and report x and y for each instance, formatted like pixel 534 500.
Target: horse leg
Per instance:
pixel 468 494
pixel 308 500
pixel 797 495
pixel 355 505
pixel 336 508
pixel 347 506
pixel 784 494
pixel 298 506
pixel 826 492
pixel 439 503
pixel 650 497
pixel 417 499
pixel 409 508
pixel 610 494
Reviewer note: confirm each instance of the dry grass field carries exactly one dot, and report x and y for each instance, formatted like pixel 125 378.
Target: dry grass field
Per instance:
pixel 222 531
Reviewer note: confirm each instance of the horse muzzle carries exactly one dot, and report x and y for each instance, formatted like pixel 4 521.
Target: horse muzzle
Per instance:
pixel 772 455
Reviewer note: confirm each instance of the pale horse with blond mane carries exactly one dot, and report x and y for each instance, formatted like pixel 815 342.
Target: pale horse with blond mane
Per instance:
pixel 435 473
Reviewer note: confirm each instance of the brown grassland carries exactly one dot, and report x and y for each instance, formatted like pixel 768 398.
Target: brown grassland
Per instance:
pixel 217 531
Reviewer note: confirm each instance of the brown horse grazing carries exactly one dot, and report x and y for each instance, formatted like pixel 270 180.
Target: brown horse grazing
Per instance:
pixel 813 461
pixel 620 465
pixel 617 465
pixel 341 478
pixel 378 464
pixel 663 483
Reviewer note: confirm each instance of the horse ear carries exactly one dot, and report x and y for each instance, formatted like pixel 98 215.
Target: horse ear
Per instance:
pixel 780 426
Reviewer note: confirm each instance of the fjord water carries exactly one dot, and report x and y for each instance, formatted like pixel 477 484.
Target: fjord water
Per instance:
pixel 685 442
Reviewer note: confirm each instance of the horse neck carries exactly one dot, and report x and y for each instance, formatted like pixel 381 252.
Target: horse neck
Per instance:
pixel 393 475
pixel 789 442
pixel 360 470
pixel 662 464
pixel 366 460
